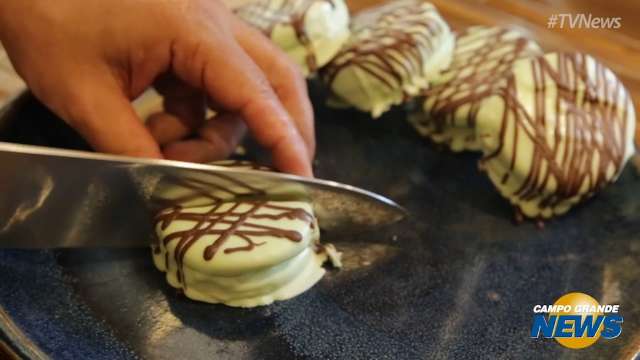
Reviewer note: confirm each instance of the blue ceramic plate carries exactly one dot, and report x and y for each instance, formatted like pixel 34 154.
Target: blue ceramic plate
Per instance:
pixel 457 280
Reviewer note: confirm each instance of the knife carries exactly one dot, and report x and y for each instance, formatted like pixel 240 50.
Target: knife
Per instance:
pixel 56 198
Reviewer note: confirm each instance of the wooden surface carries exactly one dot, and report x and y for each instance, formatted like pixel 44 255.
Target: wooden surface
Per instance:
pixel 617 48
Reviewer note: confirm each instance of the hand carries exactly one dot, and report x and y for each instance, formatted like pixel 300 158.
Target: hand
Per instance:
pixel 87 59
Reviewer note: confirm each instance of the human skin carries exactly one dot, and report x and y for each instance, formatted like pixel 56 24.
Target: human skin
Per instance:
pixel 87 59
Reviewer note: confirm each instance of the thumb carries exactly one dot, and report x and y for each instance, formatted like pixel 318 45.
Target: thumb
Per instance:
pixel 102 114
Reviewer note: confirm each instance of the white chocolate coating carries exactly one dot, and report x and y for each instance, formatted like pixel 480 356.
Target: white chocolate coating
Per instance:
pixel 223 241
pixel 393 52
pixel 261 252
pixel 561 129
pixel 482 60
pixel 311 32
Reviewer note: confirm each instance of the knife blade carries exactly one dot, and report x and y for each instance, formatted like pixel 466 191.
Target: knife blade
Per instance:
pixel 56 198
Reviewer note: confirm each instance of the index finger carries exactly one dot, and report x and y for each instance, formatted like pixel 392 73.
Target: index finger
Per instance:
pixel 285 77
pixel 232 79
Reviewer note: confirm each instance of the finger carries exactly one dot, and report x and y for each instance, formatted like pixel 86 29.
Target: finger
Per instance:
pixel 185 102
pixel 219 138
pixel 242 87
pixel 193 150
pixel 98 109
pixel 166 128
pixel 226 131
pixel 285 77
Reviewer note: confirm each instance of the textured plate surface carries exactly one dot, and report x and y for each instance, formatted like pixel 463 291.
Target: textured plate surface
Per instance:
pixel 457 280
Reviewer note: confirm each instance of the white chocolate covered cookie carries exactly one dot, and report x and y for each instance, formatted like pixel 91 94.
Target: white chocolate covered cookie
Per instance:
pixel 393 52
pixel 311 32
pixel 222 241
pixel 483 57
pixel 559 131
pixel 240 253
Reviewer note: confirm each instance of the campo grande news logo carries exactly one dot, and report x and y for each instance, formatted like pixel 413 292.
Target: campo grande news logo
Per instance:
pixel 576 321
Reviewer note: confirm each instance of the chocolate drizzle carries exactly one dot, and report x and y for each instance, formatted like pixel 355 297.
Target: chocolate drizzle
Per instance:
pixel 267 14
pixel 481 63
pixel 235 210
pixel 579 147
pixel 391 43
pixel 224 220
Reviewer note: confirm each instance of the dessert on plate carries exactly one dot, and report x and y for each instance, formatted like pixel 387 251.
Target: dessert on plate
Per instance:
pixel 447 111
pixel 310 31
pixel 559 130
pixel 239 248
pixel 394 51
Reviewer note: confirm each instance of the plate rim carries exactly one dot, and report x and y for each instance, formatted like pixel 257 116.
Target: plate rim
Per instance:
pixel 16 338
